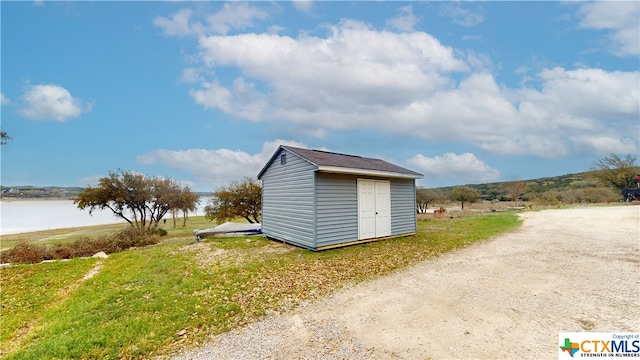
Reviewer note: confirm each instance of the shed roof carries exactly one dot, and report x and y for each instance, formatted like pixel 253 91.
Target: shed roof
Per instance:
pixel 347 164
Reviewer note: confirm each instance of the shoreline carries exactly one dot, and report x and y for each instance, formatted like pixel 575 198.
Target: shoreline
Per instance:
pixel 27 215
pixel 8 200
pixel 75 228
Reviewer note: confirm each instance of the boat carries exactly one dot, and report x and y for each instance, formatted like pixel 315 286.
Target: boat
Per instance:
pixel 229 229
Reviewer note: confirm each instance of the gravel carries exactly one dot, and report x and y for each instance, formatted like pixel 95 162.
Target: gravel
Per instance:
pixel 564 271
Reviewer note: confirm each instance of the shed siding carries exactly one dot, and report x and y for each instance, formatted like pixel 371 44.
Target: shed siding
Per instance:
pixel 337 209
pixel 403 206
pixel 288 201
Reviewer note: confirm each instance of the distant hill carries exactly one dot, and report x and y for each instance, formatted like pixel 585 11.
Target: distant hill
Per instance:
pixel 35 192
pixel 47 192
pixel 491 191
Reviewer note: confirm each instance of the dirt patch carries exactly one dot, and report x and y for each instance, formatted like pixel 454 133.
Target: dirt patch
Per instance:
pixel 207 254
pixel 566 270
pixel 275 248
pixel 204 253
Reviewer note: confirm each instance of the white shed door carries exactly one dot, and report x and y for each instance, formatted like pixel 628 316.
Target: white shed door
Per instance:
pixel 374 208
pixel 383 208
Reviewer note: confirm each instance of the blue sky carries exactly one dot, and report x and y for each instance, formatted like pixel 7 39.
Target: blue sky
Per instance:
pixel 204 92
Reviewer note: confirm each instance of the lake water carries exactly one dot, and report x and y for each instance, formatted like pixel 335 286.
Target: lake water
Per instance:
pixel 19 216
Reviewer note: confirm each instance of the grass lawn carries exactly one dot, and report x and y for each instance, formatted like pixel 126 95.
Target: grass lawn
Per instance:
pixel 147 302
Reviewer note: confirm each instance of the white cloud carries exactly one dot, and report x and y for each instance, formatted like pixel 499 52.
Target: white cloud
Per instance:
pixel 304 6
pixel 232 16
pixel 478 61
pixel 571 109
pixel 620 18
pixel 464 167
pixel 472 37
pixel 541 144
pixel 356 72
pixel 605 144
pixel 216 167
pixel 241 100
pixel 235 16
pixel 213 95
pixel 588 93
pixel 275 29
pixel 179 24
pixel 4 100
pixel 51 102
pixel 461 15
pixel 404 20
pixel 357 77
pixel 191 75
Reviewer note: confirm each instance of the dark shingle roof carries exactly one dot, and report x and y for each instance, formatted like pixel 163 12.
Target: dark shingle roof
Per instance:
pixel 330 159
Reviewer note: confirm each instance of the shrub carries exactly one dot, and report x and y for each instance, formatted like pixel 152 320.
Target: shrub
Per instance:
pixel 120 241
pixel 25 252
pixel 548 198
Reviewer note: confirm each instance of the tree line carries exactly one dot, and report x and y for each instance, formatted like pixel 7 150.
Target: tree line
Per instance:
pixel 143 201
pixel 139 200
pixel 609 176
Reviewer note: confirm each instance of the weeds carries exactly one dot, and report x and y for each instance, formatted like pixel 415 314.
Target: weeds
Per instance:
pixel 33 253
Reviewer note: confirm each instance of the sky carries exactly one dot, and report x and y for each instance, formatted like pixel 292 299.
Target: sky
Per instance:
pixel 205 92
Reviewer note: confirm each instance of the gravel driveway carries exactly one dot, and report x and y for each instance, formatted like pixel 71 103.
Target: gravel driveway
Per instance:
pixel 562 271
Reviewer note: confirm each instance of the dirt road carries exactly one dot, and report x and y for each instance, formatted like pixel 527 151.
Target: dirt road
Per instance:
pixel 562 271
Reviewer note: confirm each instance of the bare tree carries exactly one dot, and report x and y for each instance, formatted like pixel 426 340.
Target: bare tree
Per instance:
pixel 424 197
pixel 616 171
pixel 514 189
pixel 465 194
pixel 188 201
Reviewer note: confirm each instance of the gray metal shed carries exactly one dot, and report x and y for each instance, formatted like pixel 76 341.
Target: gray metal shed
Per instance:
pixel 320 200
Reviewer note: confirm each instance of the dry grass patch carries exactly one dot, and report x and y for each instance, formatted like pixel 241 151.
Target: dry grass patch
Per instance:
pixel 204 254
pixel 29 252
pixel 244 250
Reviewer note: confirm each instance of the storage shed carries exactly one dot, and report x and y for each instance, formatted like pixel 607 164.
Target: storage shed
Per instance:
pixel 320 200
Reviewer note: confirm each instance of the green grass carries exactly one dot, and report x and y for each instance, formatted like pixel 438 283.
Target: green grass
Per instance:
pixel 28 291
pixel 152 301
